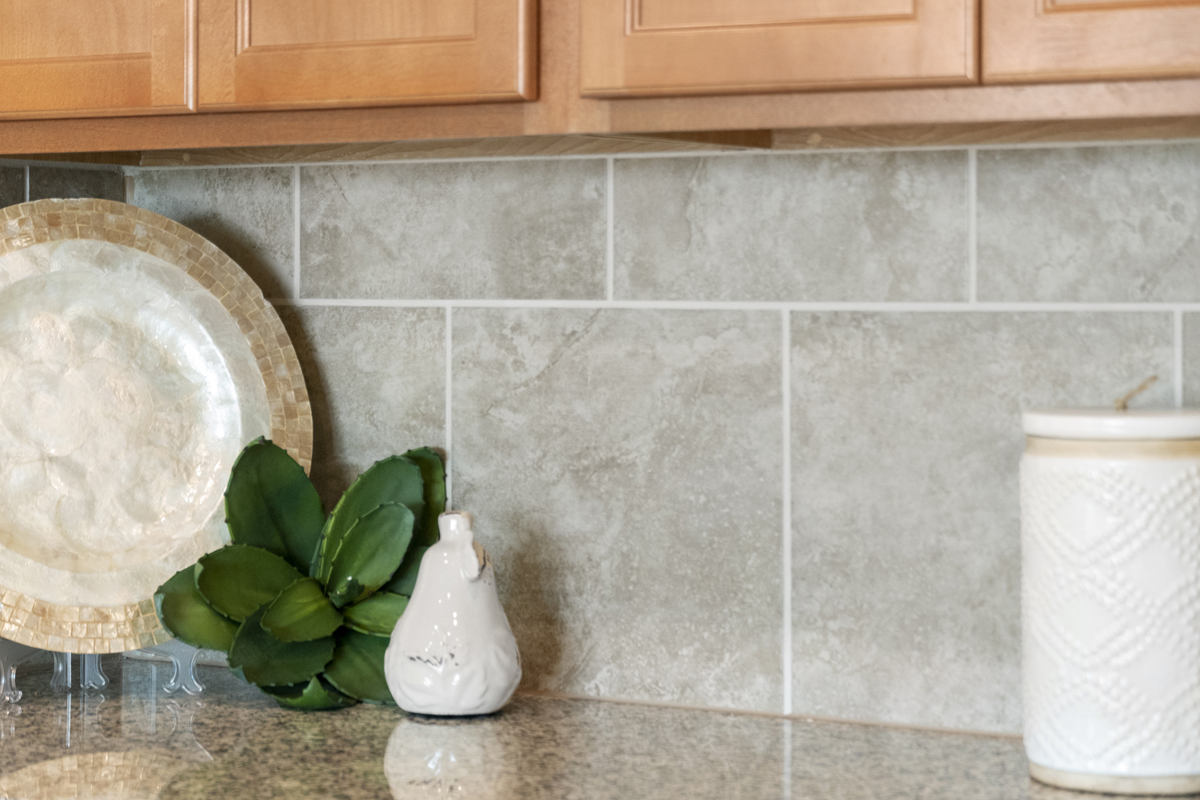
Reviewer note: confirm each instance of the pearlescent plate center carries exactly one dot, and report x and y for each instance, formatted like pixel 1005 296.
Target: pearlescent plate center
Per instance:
pixel 126 394
pixel 136 360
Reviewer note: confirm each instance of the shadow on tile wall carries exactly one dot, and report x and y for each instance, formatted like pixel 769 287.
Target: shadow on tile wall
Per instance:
pixel 616 418
pixel 376 378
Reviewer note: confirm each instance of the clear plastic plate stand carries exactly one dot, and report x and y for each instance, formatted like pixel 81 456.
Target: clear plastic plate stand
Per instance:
pixel 9 693
pixel 60 681
pixel 11 654
pixel 92 673
pixel 183 659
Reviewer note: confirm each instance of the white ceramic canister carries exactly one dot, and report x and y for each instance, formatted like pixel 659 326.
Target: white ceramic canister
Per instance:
pixel 1110 590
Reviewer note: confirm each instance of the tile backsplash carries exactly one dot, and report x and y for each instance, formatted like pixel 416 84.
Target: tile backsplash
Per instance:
pixel 740 430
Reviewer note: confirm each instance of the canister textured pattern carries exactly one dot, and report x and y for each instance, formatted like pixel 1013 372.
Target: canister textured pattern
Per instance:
pixel 1111 613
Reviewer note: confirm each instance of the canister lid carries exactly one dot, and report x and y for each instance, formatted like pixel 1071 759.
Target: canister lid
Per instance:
pixel 1100 423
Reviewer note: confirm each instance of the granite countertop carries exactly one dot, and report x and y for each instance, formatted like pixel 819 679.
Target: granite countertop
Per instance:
pixel 131 741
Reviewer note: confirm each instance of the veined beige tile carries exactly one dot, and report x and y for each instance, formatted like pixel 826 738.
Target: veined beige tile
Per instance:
pixel 906 436
pixel 524 229
pixel 12 186
pixel 1098 224
pixel 66 183
pixel 625 472
pixel 245 212
pixel 377 380
pixel 857 226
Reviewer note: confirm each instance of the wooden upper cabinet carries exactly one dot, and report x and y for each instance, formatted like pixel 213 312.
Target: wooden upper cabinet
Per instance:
pixel 673 47
pixel 91 58
pixel 270 54
pixel 1057 40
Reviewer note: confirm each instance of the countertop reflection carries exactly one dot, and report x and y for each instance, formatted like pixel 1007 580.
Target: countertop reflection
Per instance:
pixel 133 741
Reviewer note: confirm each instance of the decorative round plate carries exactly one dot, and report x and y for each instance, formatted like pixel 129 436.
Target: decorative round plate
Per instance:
pixel 136 360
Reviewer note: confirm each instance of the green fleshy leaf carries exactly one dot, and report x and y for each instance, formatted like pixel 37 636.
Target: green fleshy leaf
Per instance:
pixel 433 478
pixel 404 580
pixel 238 579
pixel 392 480
pixel 266 661
pixel 370 552
pixel 270 503
pixel 357 667
pixel 301 613
pixel 316 695
pixel 188 617
pixel 377 615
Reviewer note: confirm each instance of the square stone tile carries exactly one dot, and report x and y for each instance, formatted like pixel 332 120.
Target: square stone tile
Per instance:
pixel 68 183
pixel 625 472
pixel 1191 360
pixel 501 229
pixel 1090 224
pixel 12 186
pixel 857 226
pixel 377 380
pixel 906 437
pixel 247 212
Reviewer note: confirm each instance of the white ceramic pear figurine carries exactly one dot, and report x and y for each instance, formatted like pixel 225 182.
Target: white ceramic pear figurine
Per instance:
pixel 452 652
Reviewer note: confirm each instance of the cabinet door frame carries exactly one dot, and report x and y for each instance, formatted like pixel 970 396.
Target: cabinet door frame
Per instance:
pixel 622 58
pixel 508 55
pixel 1042 41
pixel 72 80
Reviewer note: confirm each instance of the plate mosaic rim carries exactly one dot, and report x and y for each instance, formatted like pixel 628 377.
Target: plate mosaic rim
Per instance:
pixel 114 629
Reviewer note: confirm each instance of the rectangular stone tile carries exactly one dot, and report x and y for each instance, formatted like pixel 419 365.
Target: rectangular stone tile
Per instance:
pixel 67 183
pixel 625 472
pixel 1094 224
pixel 859 226
pixel 517 229
pixel 12 186
pixel 247 212
pixel 377 380
pixel 1191 360
pixel 906 437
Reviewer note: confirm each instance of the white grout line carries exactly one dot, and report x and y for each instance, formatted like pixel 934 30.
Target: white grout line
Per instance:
pixel 449 377
pixel 787 511
pixel 608 245
pixel 296 232
pixel 721 305
pixel 787 759
pixel 1178 325
pixel 27 184
pixel 972 226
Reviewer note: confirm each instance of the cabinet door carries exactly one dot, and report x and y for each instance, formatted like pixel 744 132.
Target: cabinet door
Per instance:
pixel 669 47
pixel 1054 40
pixel 269 54
pixel 91 58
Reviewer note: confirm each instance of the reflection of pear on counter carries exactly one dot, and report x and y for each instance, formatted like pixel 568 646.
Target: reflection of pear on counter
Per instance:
pixel 452 652
pixel 451 758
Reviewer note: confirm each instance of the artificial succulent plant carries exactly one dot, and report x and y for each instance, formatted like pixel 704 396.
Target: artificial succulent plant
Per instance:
pixel 304 603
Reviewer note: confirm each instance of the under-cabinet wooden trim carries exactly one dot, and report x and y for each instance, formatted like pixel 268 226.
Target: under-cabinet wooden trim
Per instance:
pixel 1066 104
pixel 845 138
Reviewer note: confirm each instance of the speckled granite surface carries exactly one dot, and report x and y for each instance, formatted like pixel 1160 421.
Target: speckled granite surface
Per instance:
pixel 231 742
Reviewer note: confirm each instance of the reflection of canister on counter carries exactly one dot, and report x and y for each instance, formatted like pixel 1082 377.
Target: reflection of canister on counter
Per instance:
pixel 1110 543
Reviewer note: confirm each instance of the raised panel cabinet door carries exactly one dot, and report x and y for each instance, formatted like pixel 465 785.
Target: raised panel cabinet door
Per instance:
pixel 275 54
pixel 96 58
pixel 678 47
pixel 1062 40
